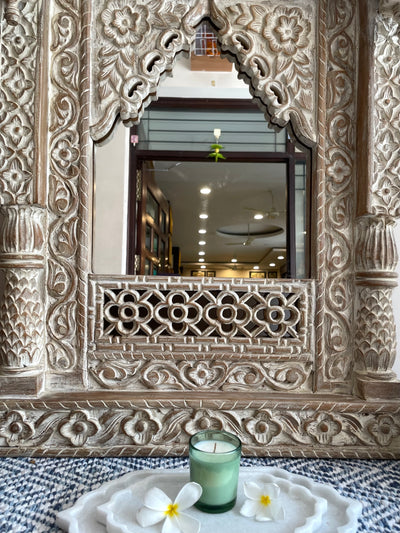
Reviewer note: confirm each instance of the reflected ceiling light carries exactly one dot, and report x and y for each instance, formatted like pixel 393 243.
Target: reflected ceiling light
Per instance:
pixel 272 264
pixel 202 243
pixel 203 266
pixel 256 267
pixel 280 257
pixel 205 190
pixel 233 260
pixel 202 231
pixel 258 216
pixel 203 215
pixel 202 253
pixel 201 260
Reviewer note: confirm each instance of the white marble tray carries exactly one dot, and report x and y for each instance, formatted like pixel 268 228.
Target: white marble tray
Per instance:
pixel 91 512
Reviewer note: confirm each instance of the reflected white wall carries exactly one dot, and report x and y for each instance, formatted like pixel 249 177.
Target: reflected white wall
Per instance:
pixel 111 203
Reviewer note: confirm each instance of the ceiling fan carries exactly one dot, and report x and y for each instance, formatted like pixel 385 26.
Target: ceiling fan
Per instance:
pixel 247 242
pixel 271 213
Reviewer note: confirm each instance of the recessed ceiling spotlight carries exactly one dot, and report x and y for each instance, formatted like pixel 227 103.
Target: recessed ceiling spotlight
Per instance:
pixel 272 264
pixel 203 266
pixel 202 253
pixel 258 216
pixel 202 231
pixel 205 190
pixel 203 215
pixel 234 260
pixel 256 267
pixel 201 260
pixel 202 243
pixel 280 257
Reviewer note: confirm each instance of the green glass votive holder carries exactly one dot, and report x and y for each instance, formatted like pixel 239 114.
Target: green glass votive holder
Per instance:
pixel 214 464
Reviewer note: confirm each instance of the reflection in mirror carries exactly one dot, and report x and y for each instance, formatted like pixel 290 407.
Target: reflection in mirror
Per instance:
pixel 165 203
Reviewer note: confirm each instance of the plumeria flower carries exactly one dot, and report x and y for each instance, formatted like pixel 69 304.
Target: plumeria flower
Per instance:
pixel 158 506
pixel 263 502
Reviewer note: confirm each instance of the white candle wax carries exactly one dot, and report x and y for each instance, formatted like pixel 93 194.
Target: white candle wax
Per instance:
pixel 214 446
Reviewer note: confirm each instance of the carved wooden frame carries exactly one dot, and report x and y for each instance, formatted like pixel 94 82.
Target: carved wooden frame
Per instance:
pixel 94 365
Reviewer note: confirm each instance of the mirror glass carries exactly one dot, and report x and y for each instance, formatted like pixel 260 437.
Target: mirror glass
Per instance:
pixel 203 186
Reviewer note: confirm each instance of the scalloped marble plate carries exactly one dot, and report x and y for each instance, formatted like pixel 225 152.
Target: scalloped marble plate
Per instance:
pixel 303 510
pixel 341 515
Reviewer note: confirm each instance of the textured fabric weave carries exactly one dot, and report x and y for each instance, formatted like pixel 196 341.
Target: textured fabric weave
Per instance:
pixel 33 491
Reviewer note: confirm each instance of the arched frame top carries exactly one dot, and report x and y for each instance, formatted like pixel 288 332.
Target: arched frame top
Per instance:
pixel 302 367
pixel 274 48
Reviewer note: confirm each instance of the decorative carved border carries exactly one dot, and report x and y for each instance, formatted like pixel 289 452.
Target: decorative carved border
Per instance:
pixel 268 427
pixel 335 259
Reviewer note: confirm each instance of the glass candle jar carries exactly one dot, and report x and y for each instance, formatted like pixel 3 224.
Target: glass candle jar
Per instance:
pixel 214 464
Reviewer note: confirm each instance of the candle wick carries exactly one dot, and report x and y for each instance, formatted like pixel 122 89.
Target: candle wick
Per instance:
pixel 215 447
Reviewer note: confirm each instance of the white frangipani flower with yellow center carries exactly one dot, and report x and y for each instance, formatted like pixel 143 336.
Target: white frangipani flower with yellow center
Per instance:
pixel 158 506
pixel 263 502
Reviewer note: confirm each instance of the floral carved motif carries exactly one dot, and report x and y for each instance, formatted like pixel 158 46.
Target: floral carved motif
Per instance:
pixel 273 45
pixel 17 95
pixel 217 313
pixel 386 181
pixel 174 309
pixel 116 371
pixel 63 202
pixel 337 198
pixel 126 428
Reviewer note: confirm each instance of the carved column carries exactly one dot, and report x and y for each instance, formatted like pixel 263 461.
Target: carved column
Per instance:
pixel 12 12
pixel 375 350
pixel 22 309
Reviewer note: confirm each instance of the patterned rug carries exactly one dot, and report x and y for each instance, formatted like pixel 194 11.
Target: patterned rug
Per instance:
pixel 33 491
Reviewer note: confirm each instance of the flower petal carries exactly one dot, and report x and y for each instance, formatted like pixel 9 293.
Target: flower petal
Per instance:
pixel 277 511
pixel 188 495
pixel 147 517
pixel 188 524
pixel 263 514
pixel 253 490
pixel 249 508
pixel 272 489
pixel 170 525
pixel 156 499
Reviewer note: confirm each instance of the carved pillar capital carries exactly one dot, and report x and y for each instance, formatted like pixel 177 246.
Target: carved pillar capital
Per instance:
pixel 375 338
pixel 22 236
pixel 12 12
pixel 22 310
pixel 376 252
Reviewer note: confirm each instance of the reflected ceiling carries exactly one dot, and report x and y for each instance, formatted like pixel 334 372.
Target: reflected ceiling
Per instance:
pixel 238 192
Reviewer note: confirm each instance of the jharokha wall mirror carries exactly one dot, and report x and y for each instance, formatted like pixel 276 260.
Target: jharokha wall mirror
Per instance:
pixel 133 358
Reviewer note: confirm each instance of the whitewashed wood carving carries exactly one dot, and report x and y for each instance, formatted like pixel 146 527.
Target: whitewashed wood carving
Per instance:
pixel 17 92
pixel 22 310
pixel 148 427
pixel 137 44
pixel 137 365
pixel 63 198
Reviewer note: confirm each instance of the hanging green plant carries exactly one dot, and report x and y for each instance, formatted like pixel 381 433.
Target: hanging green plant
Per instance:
pixel 216 154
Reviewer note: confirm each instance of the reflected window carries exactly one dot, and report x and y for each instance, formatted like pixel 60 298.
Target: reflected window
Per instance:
pixel 244 214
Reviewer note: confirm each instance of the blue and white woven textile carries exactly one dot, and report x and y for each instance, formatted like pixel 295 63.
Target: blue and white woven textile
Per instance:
pixel 33 491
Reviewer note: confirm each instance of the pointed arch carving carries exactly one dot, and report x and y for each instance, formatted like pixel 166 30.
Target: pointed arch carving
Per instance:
pixel 273 47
